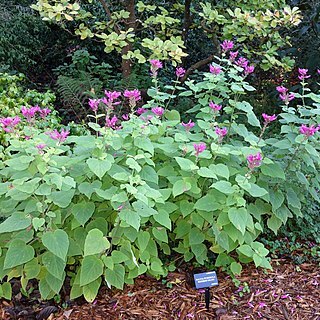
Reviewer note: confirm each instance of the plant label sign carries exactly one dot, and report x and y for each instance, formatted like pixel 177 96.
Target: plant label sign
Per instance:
pixel 205 279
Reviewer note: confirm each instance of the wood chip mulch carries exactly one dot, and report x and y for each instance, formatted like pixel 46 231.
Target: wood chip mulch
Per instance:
pixel 288 292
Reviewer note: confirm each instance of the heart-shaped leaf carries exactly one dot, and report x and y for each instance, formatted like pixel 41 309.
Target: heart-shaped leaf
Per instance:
pixel 57 242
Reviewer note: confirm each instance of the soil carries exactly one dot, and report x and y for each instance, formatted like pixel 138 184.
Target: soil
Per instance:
pixel 289 292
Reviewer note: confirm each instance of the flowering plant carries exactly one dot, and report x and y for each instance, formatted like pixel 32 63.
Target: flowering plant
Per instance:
pixel 107 206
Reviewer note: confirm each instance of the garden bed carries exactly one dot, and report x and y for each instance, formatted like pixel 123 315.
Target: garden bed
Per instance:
pixel 287 292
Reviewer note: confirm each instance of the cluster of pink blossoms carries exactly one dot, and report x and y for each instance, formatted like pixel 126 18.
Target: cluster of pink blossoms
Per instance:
pixel 134 96
pixel 284 95
pixel 254 160
pixel 215 107
pixel 30 113
pixel 59 136
pixel 155 66
pixel 188 126
pixel 303 74
pixel 267 119
pixel 221 132
pixel 9 123
pixel 199 148
pixel 309 131
pixel 215 69
pixel 158 111
pixel 180 72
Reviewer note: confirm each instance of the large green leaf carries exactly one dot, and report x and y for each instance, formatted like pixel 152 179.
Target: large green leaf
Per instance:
pixel 115 277
pixel 18 253
pixel 99 167
pixel 17 221
pixel 163 218
pixel 223 186
pixel 131 217
pixel 239 218
pixel 144 144
pixel 57 242
pixel 91 269
pixel 62 198
pixel 207 203
pixel 83 211
pixel 180 187
pixel 196 236
pixel 91 290
pixel 95 243
pixel 186 164
pixel 54 265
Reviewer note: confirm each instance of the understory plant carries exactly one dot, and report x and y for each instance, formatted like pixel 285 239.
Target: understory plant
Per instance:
pixel 109 206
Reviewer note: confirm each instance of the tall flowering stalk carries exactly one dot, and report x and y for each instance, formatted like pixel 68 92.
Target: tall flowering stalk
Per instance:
pixel 9 124
pixel 267 120
pixel 302 75
pixel 134 96
pixel 59 136
pixel 199 148
pixel 284 95
pixel 253 161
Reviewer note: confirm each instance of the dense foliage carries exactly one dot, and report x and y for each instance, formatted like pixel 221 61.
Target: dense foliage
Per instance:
pixel 143 185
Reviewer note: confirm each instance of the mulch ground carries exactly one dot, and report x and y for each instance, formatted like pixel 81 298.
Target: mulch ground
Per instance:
pixel 288 292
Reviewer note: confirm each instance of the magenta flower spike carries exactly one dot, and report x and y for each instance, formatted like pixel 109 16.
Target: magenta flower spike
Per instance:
pixel 303 74
pixel 59 136
pixel 199 147
pixel 284 95
pixel 215 69
pixel 94 104
pixel 215 107
pixel 242 62
pixel 111 123
pixel 9 123
pixel 155 66
pixel 158 111
pixel 254 161
pixel 29 113
pixel 221 132
pixel 248 69
pixel 134 96
pixel 268 119
pixel 233 55
pixel 226 45
pixel 308 131
pixel 44 112
pixel 188 126
pixel 180 72
pixel 141 111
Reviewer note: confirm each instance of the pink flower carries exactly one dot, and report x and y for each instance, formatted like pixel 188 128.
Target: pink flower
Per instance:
pixel 199 147
pixel 9 124
pixel 221 132
pixel 318 71
pixel 215 69
pixel 309 131
pixel 248 70
pixel 242 62
pixel 180 72
pixel 268 119
pixel 189 125
pixel 60 136
pixel 111 99
pixel 133 96
pixel 226 45
pixel 303 74
pixel 282 89
pixel 233 55
pixel 44 112
pixel 214 107
pixel 155 66
pixel 125 117
pixel 40 147
pixel 254 160
pixel 111 123
pixel 158 111
pixel 262 305
pixel 94 104
pixel 140 111
pixel 284 95
pixel 29 113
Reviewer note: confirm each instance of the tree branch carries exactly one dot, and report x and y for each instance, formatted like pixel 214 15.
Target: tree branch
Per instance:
pixel 109 14
pixel 187 20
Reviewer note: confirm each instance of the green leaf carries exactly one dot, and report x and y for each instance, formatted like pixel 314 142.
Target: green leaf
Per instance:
pixel 54 283
pixel 54 265
pixel 131 217
pixel 95 243
pixel 91 290
pixel 144 143
pixel 6 290
pixel 99 167
pixel 221 170
pixel 207 203
pixel 236 268
pixel 17 221
pixel 253 189
pixel 91 269
pixel 143 209
pixel 163 218
pixel 273 170
pixel 274 223
pixel 143 240
pixel 37 223
pixel 238 217
pixel 56 242
pixel 160 234
pixel 246 250
pixel 18 253
pixel 115 277
pixel 196 236
pixel 62 198
pixel 223 186
pixel 293 199
pixel 186 164
pixel 207 173
pixel 180 187
pixel 31 269
pixel 89 188
pixel 83 211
